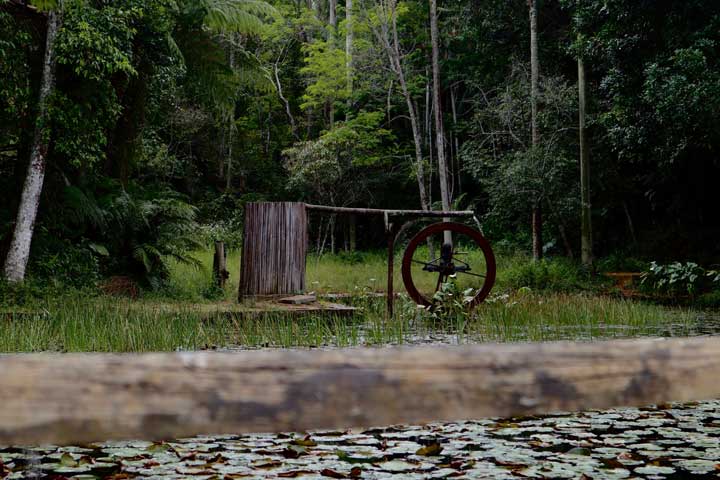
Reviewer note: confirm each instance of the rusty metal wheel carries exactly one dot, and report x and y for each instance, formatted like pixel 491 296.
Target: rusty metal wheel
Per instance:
pixel 472 269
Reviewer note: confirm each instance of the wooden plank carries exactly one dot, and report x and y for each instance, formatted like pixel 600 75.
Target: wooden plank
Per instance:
pixel 87 397
pixel 299 299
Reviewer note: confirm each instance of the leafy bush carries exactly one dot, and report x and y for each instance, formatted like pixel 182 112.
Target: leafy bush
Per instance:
pixel 450 302
pixel 137 230
pixel 557 274
pixel 709 300
pixel 679 278
pixel 65 263
pixel 620 262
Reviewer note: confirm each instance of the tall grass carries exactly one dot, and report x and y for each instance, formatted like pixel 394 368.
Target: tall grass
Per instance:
pixel 188 315
pixel 108 325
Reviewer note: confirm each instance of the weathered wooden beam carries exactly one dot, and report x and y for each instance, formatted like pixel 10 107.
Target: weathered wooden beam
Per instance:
pixel 85 397
pixel 400 213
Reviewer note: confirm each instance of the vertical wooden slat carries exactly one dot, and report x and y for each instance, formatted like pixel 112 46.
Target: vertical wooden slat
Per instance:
pixel 274 247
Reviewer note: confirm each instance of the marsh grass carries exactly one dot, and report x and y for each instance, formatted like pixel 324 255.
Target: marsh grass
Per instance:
pixel 110 325
pixel 185 317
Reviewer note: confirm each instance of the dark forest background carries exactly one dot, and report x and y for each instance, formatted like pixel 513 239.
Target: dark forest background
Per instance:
pixel 168 115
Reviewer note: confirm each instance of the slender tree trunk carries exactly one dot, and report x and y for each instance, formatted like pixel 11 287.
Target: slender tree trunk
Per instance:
pixel 332 233
pixel 221 154
pixel 332 21
pixel 456 141
pixel 439 133
pixel 585 218
pixel 286 102
pixel 349 39
pixel 388 37
pixel 631 226
pixel 231 130
pixel 229 170
pixel 353 232
pixel 562 230
pixel 534 78
pixel 537 233
pixel 332 15
pixel 19 253
pixel 390 40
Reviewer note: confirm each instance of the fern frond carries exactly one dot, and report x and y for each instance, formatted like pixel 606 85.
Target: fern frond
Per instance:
pixel 241 16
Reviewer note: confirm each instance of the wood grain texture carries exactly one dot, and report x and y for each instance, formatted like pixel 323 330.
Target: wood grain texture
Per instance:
pixel 87 397
pixel 274 249
pixel 401 213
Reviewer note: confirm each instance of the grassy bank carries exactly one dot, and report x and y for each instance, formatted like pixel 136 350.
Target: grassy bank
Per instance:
pixel 544 301
pixel 367 272
pixel 104 324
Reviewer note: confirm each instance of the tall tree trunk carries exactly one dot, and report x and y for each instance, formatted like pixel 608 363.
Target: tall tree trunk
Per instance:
pixel 390 40
pixel 231 127
pixel 352 231
pixel 332 233
pixel 349 39
pixel 332 15
pixel 19 253
pixel 631 226
pixel 231 139
pixel 585 219
pixel 439 133
pixel 388 37
pixel 537 233
pixel 534 78
pixel 315 7
pixel 286 102
pixel 456 142
pixel 221 154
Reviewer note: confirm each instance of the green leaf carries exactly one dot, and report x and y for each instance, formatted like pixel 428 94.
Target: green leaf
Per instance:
pixel 99 249
pixel 45 5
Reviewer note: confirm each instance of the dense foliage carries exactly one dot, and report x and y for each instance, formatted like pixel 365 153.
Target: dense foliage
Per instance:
pixel 168 115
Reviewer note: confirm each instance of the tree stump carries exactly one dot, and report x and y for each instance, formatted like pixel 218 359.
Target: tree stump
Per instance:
pixel 274 247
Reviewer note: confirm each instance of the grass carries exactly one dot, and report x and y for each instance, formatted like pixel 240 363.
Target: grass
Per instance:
pixel 367 272
pixel 108 325
pixel 83 323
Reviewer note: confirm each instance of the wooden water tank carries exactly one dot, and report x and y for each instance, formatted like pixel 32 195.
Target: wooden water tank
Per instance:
pixel 273 251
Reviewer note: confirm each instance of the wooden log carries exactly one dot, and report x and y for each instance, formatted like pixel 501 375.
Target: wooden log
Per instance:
pixel 392 213
pixel 274 248
pixel 87 397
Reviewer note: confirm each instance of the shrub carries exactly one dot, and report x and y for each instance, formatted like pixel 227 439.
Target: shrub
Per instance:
pixel 64 264
pixel 709 300
pixel 557 274
pixel 619 262
pixel 679 278
pixel 449 302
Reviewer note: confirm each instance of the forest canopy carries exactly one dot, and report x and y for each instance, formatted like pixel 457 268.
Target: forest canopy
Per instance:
pixel 158 120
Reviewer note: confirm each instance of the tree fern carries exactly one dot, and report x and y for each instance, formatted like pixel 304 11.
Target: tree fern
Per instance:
pixel 240 16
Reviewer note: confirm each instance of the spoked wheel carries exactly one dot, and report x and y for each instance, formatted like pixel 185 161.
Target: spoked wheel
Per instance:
pixel 467 258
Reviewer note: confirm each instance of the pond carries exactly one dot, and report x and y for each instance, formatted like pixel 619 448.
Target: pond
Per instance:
pixel 668 441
